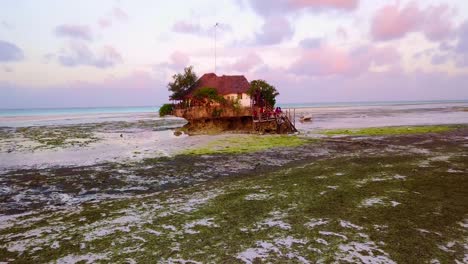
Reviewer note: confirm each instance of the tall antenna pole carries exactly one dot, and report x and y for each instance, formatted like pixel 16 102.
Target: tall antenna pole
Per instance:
pixel 215 29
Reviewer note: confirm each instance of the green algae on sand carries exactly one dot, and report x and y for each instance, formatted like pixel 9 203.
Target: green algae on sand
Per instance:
pixel 246 143
pixel 383 131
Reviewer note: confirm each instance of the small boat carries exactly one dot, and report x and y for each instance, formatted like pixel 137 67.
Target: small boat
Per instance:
pixel 305 118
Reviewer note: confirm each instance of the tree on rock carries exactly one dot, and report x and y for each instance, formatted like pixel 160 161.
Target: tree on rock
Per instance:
pixel 181 83
pixel 262 93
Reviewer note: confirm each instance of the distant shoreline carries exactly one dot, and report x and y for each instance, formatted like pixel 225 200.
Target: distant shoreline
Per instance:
pixel 26 112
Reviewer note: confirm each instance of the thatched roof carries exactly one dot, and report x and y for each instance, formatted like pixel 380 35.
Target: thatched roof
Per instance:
pixel 226 84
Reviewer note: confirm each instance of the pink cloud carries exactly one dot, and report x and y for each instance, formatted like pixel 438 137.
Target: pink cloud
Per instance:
pixel 391 85
pixel 247 63
pixel 324 4
pixel 393 22
pixel 105 23
pixel 322 62
pixel 341 33
pixel 119 14
pixel 179 59
pixel 332 61
pixel 177 62
pixel 74 31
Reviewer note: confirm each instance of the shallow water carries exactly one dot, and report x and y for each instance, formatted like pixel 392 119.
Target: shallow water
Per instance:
pixel 377 116
pixel 135 136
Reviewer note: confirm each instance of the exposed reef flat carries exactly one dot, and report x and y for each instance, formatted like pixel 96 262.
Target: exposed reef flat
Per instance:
pixel 370 199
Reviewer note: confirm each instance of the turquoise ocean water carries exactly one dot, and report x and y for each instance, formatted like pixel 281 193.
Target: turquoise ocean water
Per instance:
pixel 150 109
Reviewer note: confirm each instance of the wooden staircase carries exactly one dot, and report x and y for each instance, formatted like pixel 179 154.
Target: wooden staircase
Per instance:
pixel 267 122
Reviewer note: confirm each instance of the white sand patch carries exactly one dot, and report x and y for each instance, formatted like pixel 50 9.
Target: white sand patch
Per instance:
pixel 180 261
pixel 399 177
pixel 463 224
pixel 88 258
pixel 316 222
pixel 289 241
pixel 130 261
pixel 7 221
pixel 363 252
pixel 169 227
pixel 380 227
pixel 208 222
pixel 445 249
pixel 32 238
pixel 323 192
pixel 55 245
pixel 153 232
pixel 346 224
pixel 372 202
pixel 440 158
pixel 394 203
pixel 257 197
pixel 194 202
pixel 274 221
pixel 339 174
pixel 424 231
pixel 263 249
pixel 328 233
pixel 139 238
pixel 322 241
pixel 332 187
pixel 380 179
pixel 107 227
pixel 261 252
pixel 419 151
pixel 454 171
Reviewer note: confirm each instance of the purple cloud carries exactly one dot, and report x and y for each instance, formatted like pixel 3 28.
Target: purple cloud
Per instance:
pixel 269 8
pixel 78 53
pixel 74 31
pixel 6 25
pixel 310 43
pixel 275 30
pixel 439 59
pixel 462 45
pixel 136 88
pixel 10 52
pixel 184 27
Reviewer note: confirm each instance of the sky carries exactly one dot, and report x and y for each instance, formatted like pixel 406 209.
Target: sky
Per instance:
pixel 87 53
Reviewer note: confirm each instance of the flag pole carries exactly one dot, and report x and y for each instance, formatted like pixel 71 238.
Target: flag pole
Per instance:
pixel 215 28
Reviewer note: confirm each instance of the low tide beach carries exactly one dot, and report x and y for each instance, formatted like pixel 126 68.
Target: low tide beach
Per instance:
pixel 119 186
